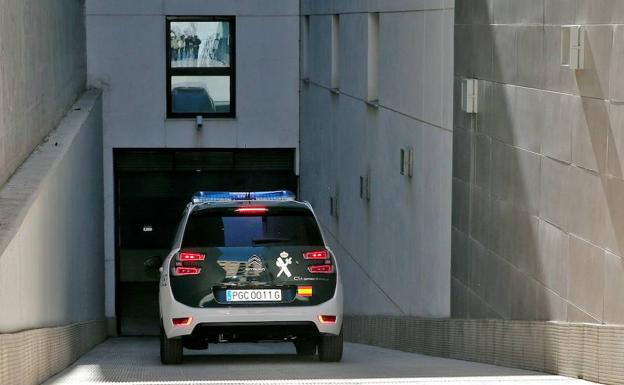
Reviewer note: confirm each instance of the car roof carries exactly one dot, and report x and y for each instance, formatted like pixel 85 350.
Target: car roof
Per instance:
pixel 242 203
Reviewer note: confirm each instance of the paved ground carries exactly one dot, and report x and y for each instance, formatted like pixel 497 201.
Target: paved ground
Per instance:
pixel 135 361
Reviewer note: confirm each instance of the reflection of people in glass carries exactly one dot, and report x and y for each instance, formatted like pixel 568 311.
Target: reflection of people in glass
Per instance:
pixel 182 43
pixel 200 44
pixel 184 49
pixel 173 52
pixel 188 43
pixel 196 43
pixel 177 45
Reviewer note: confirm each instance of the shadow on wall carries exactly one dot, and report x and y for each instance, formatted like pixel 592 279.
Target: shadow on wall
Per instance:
pixel 538 222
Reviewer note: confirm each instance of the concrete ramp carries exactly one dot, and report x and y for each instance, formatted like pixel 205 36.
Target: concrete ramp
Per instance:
pixel 136 361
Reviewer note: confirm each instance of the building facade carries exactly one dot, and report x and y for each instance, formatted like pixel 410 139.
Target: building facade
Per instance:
pixel 492 236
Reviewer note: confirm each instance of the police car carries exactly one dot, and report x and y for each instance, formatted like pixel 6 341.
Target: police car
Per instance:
pixel 248 267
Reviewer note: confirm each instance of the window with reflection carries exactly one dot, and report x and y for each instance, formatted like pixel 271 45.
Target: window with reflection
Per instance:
pixel 201 67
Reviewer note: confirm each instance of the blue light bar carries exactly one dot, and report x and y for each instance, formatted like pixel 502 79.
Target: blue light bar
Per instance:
pixel 283 195
pixel 225 196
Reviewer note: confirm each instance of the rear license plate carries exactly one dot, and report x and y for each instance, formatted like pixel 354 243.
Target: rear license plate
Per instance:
pixel 255 295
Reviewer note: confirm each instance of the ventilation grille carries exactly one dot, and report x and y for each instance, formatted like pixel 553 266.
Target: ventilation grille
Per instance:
pixel 206 160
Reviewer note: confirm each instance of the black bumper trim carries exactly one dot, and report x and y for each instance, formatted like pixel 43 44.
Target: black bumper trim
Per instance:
pixel 255 331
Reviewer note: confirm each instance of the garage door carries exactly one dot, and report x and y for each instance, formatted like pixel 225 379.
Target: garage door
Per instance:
pixel 152 189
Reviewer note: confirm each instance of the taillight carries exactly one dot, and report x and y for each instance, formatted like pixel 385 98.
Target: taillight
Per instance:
pixel 185 321
pixel 185 256
pixel 251 210
pixel 321 269
pixel 319 254
pixel 179 271
pixel 188 263
pixel 327 319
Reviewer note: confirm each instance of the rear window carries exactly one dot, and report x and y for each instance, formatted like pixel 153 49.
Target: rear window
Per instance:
pixel 212 228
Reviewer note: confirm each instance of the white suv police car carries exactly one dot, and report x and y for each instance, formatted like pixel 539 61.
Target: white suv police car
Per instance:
pixel 249 267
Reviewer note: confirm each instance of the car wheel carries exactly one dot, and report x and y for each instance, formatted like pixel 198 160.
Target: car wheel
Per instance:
pixel 305 347
pixel 330 348
pixel 170 349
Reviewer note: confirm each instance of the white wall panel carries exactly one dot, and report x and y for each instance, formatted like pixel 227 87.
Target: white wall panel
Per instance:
pixel 394 250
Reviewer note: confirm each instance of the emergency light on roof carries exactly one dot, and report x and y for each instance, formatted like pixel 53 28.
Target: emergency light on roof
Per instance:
pixel 224 196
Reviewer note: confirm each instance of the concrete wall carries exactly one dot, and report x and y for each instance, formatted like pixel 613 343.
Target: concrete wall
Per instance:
pixel 537 182
pixel 32 356
pixel 126 50
pixel 42 70
pixel 590 352
pixel 51 217
pixel 394 248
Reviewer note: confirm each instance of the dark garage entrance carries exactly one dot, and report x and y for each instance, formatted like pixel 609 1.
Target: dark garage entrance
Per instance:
pixel 152 188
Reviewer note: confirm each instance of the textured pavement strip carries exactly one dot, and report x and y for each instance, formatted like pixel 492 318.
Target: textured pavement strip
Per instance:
pixel 135 361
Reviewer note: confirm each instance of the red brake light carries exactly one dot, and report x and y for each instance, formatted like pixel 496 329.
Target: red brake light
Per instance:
pixel 179 271
pixel 251 210
pixel 190 257
pixel 327 319
pixel 185 321
pixel 321 269
pixel 319 254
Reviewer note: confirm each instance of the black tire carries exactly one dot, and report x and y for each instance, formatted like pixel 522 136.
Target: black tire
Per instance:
pixel 170 349
pixel 305 347
pixel 330 348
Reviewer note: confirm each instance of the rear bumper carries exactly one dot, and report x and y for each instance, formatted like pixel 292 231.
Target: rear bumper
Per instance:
pixel 268 316
pixel 254 331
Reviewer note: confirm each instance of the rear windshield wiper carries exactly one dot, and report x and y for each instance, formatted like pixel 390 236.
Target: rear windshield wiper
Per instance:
pixel 259 241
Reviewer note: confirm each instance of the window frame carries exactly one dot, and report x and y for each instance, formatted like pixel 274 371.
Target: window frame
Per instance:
pixel 201 71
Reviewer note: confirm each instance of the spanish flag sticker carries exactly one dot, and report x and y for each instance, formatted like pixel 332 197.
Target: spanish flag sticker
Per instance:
pixel 304 291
